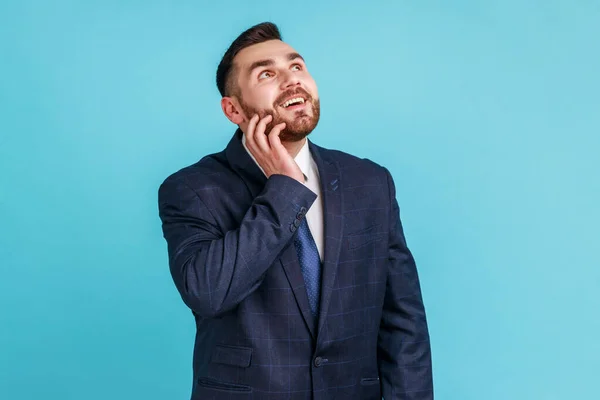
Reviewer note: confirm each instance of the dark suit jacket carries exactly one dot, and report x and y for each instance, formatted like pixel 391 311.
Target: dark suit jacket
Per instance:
pixel 230 234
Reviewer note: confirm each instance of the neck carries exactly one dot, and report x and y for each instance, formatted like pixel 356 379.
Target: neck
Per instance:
pixel 294 147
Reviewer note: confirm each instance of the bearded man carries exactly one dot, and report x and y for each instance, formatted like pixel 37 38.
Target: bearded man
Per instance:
pixel 292 257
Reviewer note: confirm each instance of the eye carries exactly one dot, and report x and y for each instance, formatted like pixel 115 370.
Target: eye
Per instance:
pixel 265 74
pixel 296 67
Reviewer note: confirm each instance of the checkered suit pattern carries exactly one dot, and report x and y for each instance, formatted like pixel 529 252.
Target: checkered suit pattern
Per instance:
pixel 230 233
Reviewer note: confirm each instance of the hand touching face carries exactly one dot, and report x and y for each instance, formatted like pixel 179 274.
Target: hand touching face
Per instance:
pixel 272 79
pixel 268 150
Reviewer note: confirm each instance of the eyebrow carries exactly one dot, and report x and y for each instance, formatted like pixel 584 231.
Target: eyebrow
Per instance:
pixel 269 62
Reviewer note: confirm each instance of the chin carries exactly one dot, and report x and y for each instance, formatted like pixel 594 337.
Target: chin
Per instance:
pixel 300 126
pixel 295 135
pixel 298 132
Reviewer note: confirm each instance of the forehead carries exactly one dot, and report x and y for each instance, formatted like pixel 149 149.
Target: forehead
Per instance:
pixel 273 49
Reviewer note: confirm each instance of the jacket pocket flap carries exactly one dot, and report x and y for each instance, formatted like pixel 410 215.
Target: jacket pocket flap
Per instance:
pixel 369 381
pixel 232 355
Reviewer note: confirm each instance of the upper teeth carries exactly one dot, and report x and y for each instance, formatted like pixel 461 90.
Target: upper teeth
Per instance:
pixel 294 100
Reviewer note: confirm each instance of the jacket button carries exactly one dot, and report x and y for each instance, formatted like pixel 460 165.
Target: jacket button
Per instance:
pixel 297 223
pixel 303 210
pixel 318 362
pixel 293 228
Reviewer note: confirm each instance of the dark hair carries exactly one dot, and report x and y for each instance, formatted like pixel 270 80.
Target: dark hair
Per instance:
pixel 254 35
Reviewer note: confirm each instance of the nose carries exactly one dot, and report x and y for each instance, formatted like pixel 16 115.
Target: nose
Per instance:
pixel 289 79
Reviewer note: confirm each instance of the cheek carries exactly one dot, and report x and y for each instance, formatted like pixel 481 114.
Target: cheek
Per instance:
pixel 254 99
pixel 265 96
pixel 312 86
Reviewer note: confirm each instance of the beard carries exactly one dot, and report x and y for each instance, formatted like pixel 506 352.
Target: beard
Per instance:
pixel 298 126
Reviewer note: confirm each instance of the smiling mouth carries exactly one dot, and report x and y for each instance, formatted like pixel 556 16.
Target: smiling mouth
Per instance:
pixel 295 101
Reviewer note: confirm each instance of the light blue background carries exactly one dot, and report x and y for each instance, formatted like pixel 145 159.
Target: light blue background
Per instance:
pixel 487 114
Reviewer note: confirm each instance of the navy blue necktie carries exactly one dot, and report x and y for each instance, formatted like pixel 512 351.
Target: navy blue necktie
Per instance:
pixel 310 264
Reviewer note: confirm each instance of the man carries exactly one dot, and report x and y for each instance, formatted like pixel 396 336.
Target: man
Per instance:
pixel 292 257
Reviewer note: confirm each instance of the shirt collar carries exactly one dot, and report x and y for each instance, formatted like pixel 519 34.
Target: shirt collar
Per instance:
pixel 303 158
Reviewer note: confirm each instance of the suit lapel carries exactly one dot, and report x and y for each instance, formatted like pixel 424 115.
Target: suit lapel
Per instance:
pixel 255 180
pixel 329 175
pixel 291 267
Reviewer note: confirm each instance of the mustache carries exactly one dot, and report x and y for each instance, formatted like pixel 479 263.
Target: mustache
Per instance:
pixel 287 94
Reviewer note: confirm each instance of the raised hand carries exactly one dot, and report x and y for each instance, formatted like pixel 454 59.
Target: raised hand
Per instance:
pixel 268 151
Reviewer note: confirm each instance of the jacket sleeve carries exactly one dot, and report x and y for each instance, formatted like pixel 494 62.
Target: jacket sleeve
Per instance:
pixel 214 271
pixel 404 353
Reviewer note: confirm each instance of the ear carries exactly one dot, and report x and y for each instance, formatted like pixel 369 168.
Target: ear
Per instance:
pixel 232 110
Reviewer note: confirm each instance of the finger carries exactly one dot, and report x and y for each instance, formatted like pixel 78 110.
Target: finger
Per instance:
pixel 262 124
pixel 275 141
pixel 259 134
pixel 250 130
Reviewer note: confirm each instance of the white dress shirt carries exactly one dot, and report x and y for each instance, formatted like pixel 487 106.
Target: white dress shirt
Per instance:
pixel 314 216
